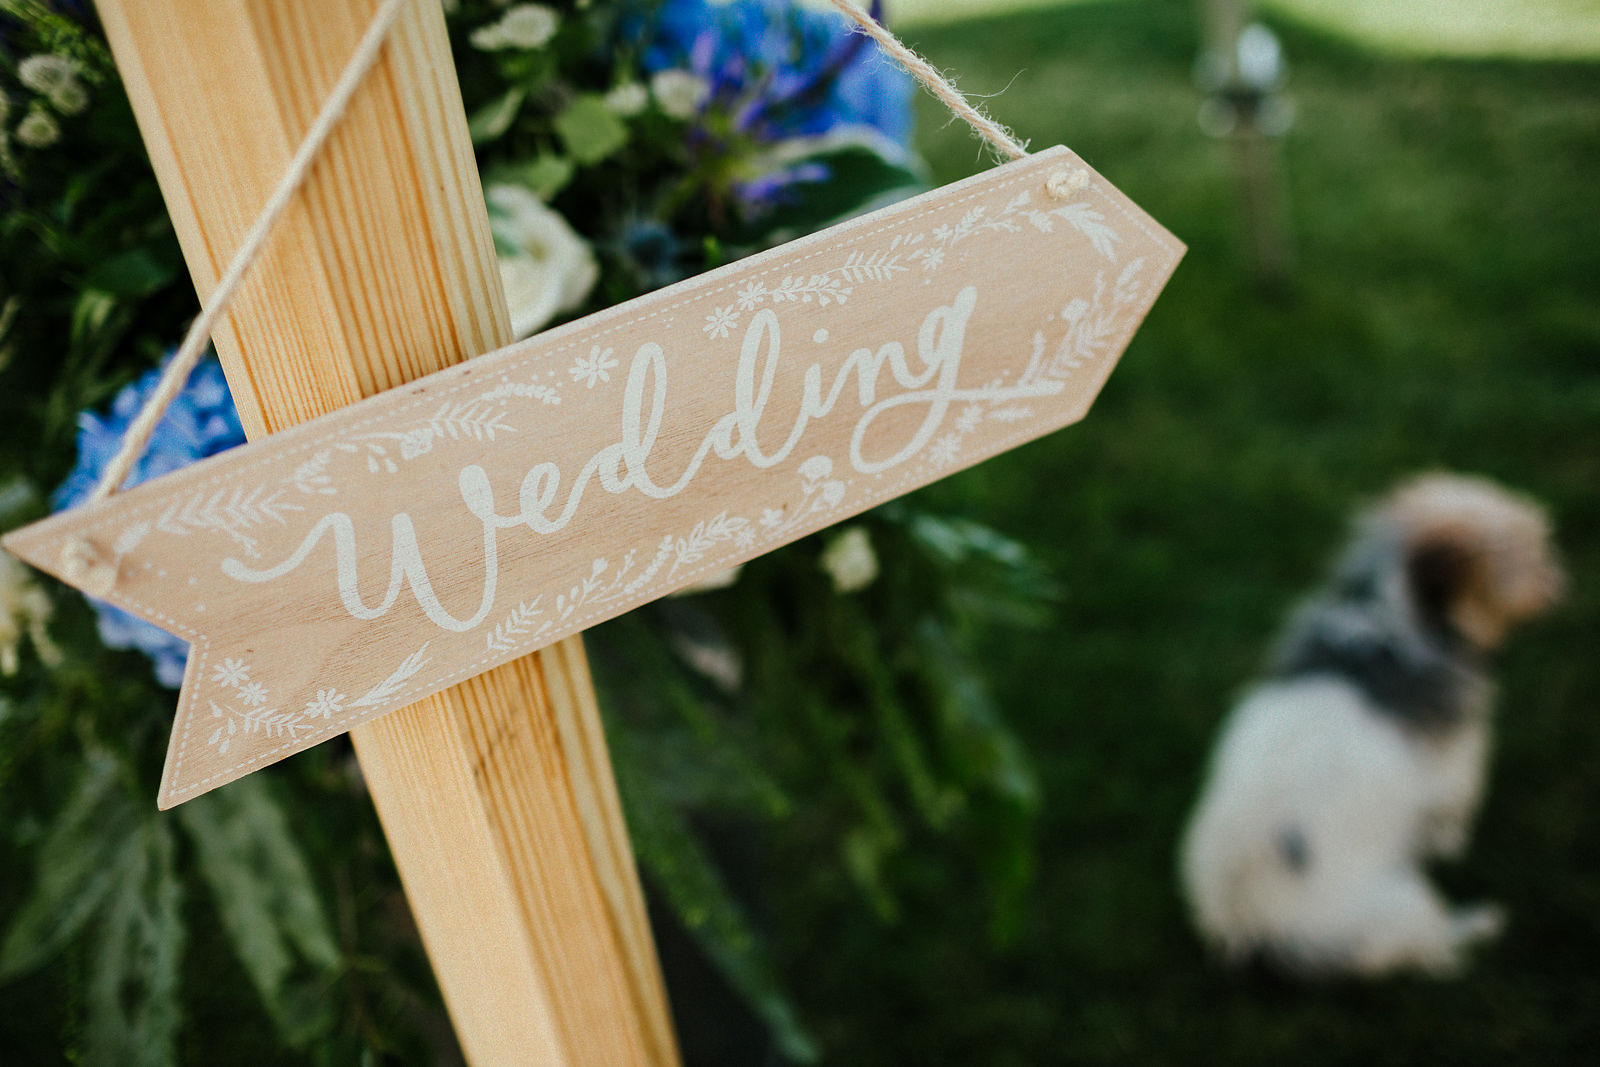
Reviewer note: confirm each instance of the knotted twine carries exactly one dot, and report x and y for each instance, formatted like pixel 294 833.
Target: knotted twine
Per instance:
pixel 79 559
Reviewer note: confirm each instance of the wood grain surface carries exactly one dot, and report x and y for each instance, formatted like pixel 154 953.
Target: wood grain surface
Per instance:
pixel 497 794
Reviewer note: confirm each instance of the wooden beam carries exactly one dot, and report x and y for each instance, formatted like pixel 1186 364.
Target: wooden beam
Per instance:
pixel 497 795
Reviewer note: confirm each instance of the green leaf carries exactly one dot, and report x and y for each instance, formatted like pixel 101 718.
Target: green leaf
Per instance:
pixel 93 313
pixel 675 862
pixel 987 752
pixel 8 317
pixel 985 575
pixel 133 981
pixel 77 868
pixel 134 273
pixel 268 903
pixel 864 851
pixel 589 130
pixel 957 540
pixel 993 766
pixel 546 175
pixel 492 120
pixel 866 171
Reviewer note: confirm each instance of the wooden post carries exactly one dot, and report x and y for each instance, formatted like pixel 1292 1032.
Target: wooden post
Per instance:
pixel 497 795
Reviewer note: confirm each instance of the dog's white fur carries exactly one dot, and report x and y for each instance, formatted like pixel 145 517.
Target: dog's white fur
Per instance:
pixel 1313 758
pixel 1321 805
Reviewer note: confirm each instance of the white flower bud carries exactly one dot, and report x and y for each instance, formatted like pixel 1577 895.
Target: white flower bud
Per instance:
pixel 38 130
pixel 45 74
pixel 628 99
pixel 525 26
pixel 71 98
pixel 679 92
pixel 850 560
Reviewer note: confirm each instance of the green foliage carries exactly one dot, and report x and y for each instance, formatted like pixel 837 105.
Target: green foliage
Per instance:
pixel 133 980
pixel 545 175
pixel 493 119
pixel 542 118
pixel 831 733
pixel 80 861
pixel 864 176
pixel 107 864
pixel 679 867
pixel 268 903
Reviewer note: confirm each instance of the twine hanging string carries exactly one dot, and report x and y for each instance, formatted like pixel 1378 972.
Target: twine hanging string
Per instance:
pixel 936 83
pixel 85 566
pixel 199 335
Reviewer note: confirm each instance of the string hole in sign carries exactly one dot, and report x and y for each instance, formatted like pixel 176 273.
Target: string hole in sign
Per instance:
pixel 84 567
pixel 1063 183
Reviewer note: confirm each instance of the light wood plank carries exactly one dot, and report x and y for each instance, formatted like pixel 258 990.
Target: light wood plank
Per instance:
pixel 497 795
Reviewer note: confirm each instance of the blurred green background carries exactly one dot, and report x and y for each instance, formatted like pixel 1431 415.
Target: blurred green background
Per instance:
pixel 1443 311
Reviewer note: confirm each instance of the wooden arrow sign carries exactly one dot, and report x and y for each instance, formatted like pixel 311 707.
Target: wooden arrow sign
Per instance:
pixel 348 566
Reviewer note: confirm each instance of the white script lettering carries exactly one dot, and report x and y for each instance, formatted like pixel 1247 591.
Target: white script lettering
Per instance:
pixel 930 379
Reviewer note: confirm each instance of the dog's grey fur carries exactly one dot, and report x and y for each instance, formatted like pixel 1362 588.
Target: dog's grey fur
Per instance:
pixel 1374 630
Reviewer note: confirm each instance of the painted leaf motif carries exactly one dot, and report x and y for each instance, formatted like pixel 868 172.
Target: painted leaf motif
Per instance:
pixel 396 681
pixel 1089 222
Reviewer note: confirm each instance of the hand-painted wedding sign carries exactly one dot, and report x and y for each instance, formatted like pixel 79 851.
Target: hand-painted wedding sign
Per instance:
pixel 348 566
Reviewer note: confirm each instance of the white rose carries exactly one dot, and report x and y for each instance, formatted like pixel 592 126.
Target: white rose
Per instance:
pixel 679 92
pixel 549 269
pixel 849 560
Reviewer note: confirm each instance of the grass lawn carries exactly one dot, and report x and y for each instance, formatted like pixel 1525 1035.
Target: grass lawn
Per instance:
pixel 1445 312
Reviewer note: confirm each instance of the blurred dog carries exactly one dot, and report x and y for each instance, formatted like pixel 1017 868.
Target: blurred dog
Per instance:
pixel 1362 754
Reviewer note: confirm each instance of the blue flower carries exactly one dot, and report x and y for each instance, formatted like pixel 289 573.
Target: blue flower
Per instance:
pixel 775 187
pixel 653 250
pixel 201 422
pixel 789 70
pixel 779 71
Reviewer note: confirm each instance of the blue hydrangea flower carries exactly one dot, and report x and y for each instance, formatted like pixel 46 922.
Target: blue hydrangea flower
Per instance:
pixel 201 422
pixel 794 70
pixel 782 71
